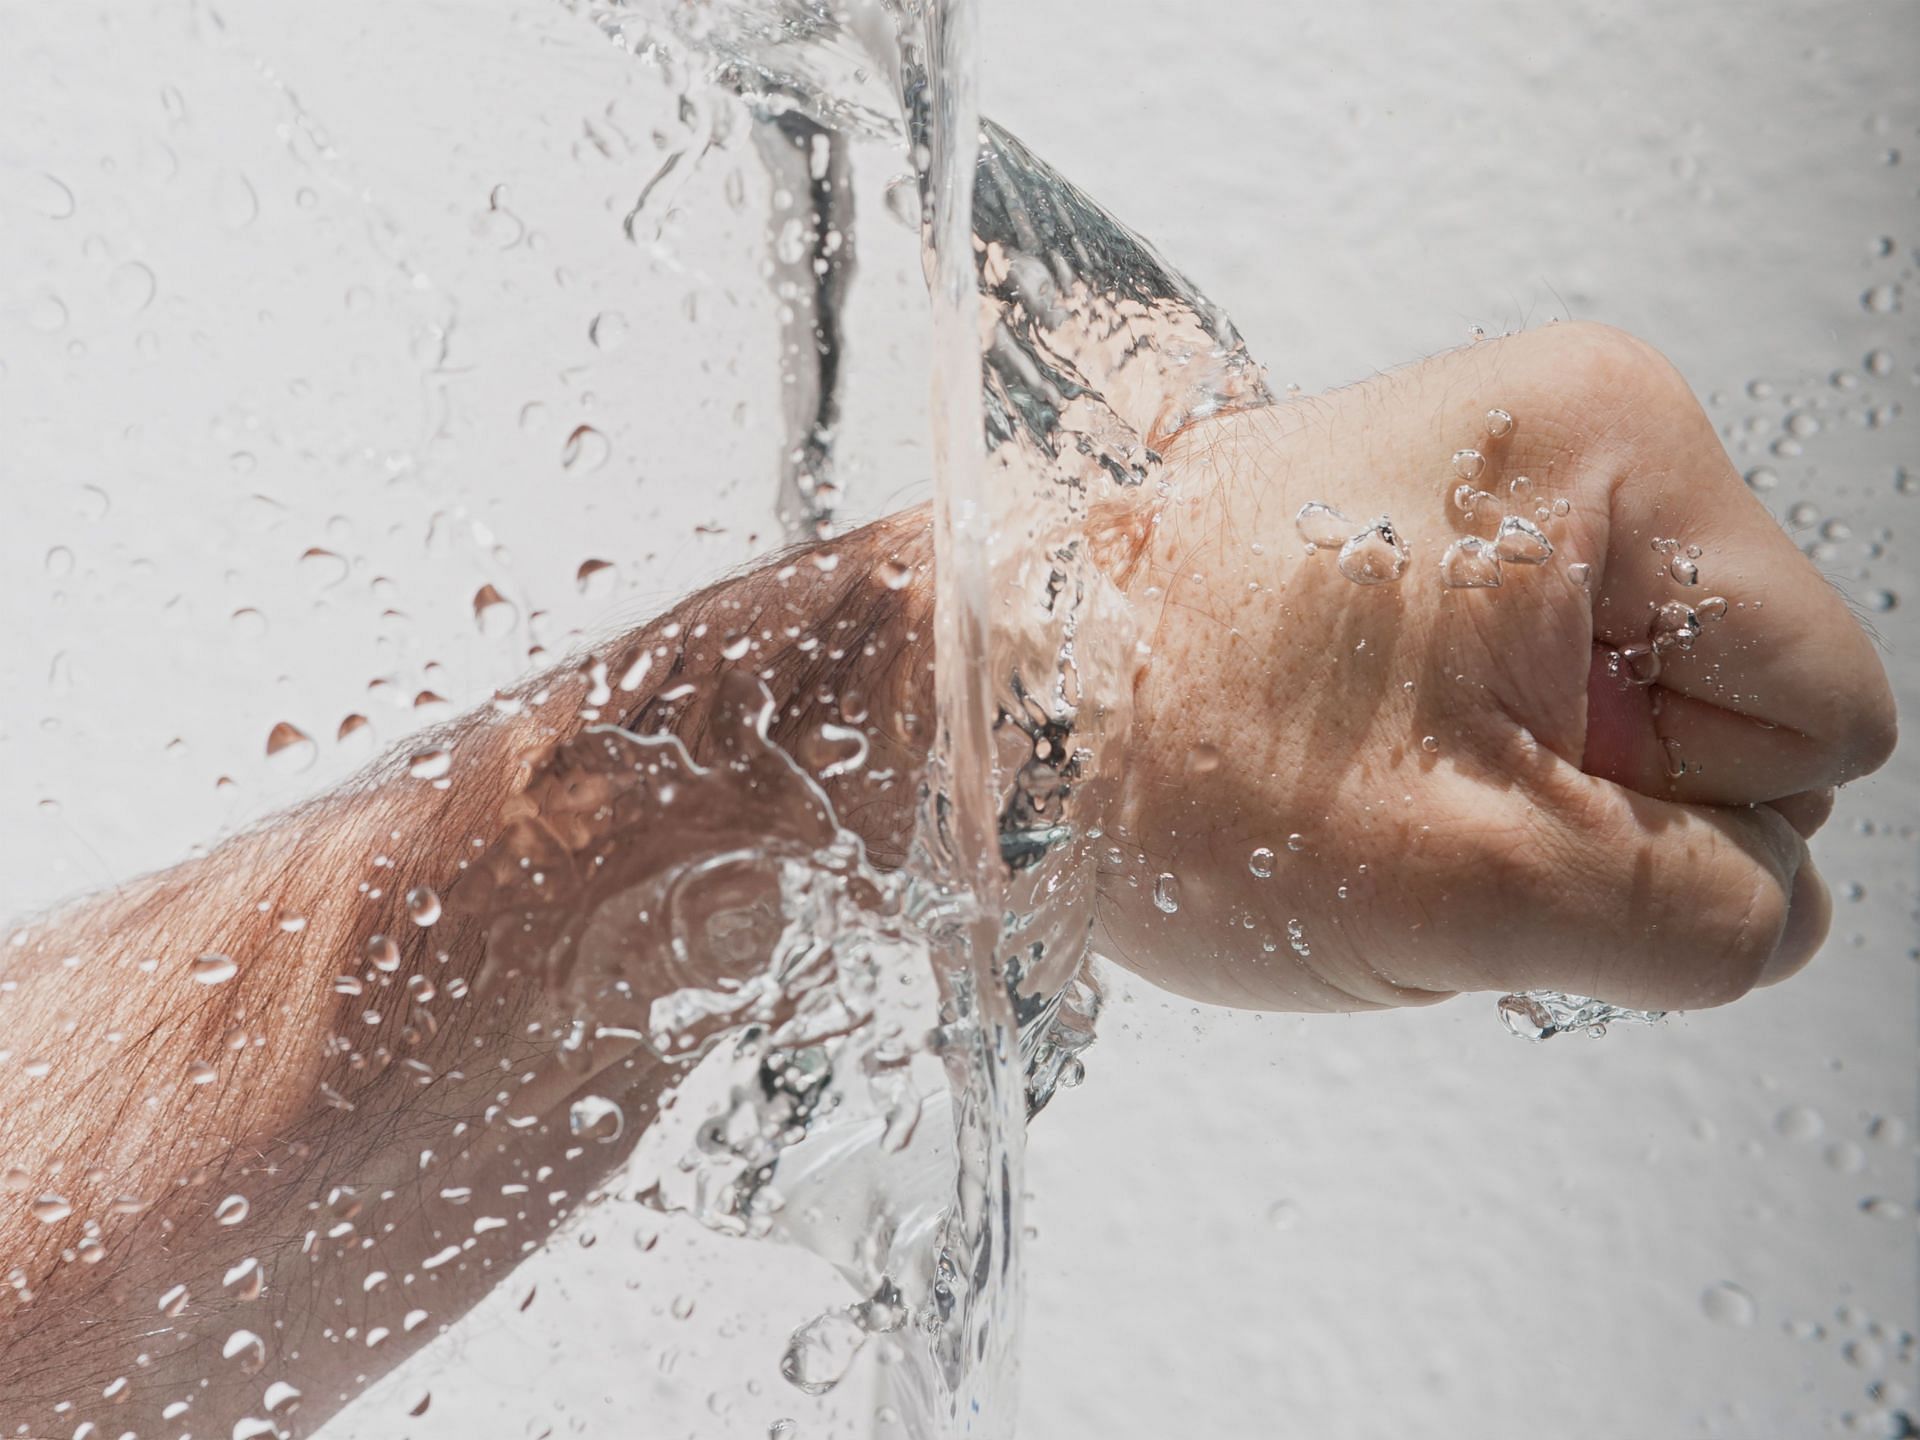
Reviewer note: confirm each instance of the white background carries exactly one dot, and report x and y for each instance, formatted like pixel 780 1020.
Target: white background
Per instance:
pixel 1407 1225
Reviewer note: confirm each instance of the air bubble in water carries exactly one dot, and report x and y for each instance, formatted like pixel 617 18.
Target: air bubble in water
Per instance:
pixel 1520 488
pixel 289 748
pixel 1683 570
pixel 1470 563
pixel 1166 893
pixel 1376 556
pixel 423 905
pixel 1727 1304
pixel 1260 862
pixel 821 1352
pixel 493 613
pixel 1297 940
pixel 1520 542
pixel 214 969
pixel 1499 424
pixel 1714 607
pixel 1469 464
pixel 1322 526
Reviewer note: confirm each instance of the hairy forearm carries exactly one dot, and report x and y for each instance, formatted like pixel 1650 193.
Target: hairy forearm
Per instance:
pixel 274 1072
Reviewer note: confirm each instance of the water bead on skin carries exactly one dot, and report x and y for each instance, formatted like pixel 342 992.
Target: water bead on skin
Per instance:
pixel 1469 464
pixel 1520 542
pixel 1376 556
pixel 1499 424
pixel 1470 563
pixel 1322 526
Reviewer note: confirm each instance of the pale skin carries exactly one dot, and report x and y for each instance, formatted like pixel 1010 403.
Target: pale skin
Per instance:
pixel 1540 840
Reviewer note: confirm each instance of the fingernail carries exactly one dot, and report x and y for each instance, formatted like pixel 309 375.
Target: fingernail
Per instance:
pixel 1809 914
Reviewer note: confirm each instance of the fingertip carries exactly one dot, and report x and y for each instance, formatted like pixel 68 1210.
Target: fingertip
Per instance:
pixel 1809 917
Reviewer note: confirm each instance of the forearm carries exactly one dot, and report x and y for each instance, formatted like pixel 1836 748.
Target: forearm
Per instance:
pixel 337 1067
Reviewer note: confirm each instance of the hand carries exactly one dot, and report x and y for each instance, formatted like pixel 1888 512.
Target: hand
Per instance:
pixel 1380 794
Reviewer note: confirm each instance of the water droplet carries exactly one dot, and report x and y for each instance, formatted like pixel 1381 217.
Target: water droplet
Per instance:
pixel 1322 525
pixel 247 1348
pixel 48 195
pixel 173 1301
pixel 1376 556
pixel 1882 601
pixel 894 574
pixel 232 1210
pixel 1639 664
pixel 1727 1304
pixel 1260 862
pixel 586 450
pixel 48 313
pixel 820 1353
pixel 51 1209
pixel 214 969
pixel 1430 744
pixel 1283 1215
pixel 1296 842
pixel 1846 1157
pixel 1580 573
pixel 1881 1207
pixel 1499 424
pixel 1476 333
pixel 382 953
pixel 1469 464
pixel 132 286
pixel 235 201
pixel 596 1117
pixel 592 574
pixel 289 748
pixel 1166 893
pixel 493 613
pixel 423 905
pixel 1879 364
pixel 1714 607
pixel 199 1072
pixel 789 1429
pixel 1297 940
pixel 279 1396
pixel 1881 300
pixel 432 764
pixel 608 331
pixel 1470 563
pixel 1683 570
pixel 1520 542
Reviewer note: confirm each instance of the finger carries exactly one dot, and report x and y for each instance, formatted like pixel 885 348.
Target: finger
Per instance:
pixel 1662 742
pixel 1661 906
pixel 1806 811
pixel 1787 656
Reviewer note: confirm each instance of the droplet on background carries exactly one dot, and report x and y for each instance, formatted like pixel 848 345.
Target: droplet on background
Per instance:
pixel 233 1210
pixel 289 748
pixel 48 196
pixel 235 201
pixel 608 331
pixel 1499 424
pixel 493 613
pixel 820 1353
pixel 1727 1304
pixel 1469 465
pixel 1260 862
pixel 383 954
pixel 1166 893
pixel 132 286
pixel 594 576
pixel 586 450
